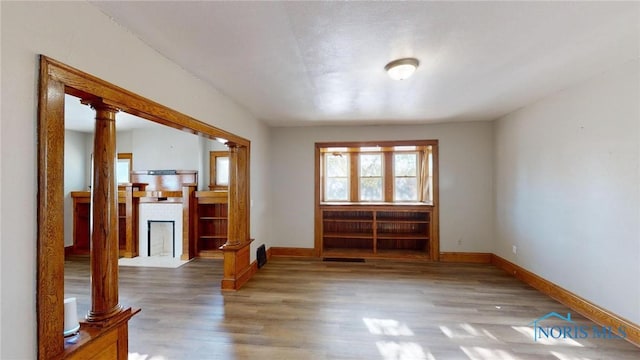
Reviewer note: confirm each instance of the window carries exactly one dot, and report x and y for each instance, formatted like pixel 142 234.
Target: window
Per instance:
pixel 218 170
pixel 222 171
pixel 371 177
pixel 336 182
pixel 405 176
pixel 124 166
pixel 390 172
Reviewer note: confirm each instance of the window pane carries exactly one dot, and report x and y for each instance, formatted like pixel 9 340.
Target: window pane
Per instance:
pixel 222 170
pixel 370 164
pixel 122 171
pixel 406 189
pixel 336 165
pixel 405 164
pixel 371 189
pixel 337 189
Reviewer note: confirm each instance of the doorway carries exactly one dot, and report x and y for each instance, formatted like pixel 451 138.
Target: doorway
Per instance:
pixel 56 80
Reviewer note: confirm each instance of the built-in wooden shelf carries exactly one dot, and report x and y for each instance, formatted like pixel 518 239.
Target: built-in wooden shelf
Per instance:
pixel 127 221
pixel 212 223
pixel 376 231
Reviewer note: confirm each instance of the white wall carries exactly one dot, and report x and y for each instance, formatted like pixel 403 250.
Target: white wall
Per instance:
pixel 568 189
pixel 466 179
pixel 75 160
pixel 124 141
pixel 81 36
pixel 165 148
pixel 260 205
pixel 162 147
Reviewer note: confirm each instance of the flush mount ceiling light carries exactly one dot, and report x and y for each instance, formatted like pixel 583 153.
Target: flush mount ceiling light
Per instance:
pixel 402 68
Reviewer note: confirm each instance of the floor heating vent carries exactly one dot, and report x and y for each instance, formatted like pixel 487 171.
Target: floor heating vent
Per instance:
pixel 261 255
pixel 343 259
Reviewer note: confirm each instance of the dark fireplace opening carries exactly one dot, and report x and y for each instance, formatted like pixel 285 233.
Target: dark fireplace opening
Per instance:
pixel 161 236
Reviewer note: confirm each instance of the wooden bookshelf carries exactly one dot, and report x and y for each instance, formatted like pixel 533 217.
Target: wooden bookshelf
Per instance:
pixel 127 222
pixel 212 223
pixel 376 231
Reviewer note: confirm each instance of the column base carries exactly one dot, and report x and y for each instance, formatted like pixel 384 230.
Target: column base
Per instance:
pixel 104 317
pixel 108 338
pixel 237 268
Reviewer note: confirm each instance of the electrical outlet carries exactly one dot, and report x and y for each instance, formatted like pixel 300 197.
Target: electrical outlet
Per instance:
pixel 515 249
pixel 459 242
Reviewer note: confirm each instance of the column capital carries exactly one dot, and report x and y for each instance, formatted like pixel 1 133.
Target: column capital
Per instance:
pixel 99 105
pixel 233 146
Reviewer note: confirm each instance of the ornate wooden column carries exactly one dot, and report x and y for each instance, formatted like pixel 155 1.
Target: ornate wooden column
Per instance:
pixel 238 232
pixel 189 222
pixel 105 331
pixel 131 222
pixel 104 216
pixel 237 269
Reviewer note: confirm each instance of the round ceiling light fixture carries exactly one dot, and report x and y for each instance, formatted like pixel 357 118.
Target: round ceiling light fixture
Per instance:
pixel 402 68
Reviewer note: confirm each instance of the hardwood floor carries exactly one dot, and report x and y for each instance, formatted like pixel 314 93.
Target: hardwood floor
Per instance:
pixel 294 309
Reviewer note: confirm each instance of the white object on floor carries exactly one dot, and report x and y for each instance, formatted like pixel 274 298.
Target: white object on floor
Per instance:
pixel 71 324
pixel 152 261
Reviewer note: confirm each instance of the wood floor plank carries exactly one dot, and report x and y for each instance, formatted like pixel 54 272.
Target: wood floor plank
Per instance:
pixel 298 309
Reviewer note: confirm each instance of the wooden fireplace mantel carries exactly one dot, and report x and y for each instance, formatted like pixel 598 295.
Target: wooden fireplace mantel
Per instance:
pixel 165 180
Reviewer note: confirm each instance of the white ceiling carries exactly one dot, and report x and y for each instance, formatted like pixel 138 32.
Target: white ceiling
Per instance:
pixel 313 63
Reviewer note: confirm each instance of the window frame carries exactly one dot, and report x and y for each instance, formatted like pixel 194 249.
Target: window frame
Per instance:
pixel 213 161
pixel 426 195
pixel 432 192
pixel 360 177
pixel 419 185
pixel 349 177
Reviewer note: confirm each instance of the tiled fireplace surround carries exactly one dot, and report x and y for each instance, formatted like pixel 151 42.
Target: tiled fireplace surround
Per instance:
pixel 159 212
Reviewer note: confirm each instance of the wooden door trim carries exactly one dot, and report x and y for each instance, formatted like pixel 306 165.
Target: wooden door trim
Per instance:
pixel 56 79
pixel 85 86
